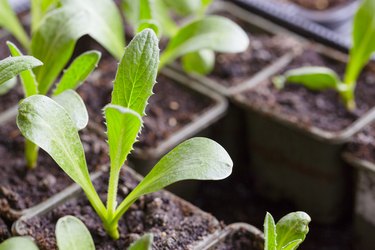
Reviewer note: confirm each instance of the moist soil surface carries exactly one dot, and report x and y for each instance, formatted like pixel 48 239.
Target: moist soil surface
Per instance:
pixel 307 108
pixel 320 4
pixel 174 223
pixel 170 108
pixel 363 144
pixel 264 49
pixel 240 239
pixel 21 188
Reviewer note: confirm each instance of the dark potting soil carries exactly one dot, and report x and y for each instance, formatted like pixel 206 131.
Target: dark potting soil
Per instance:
pixel 170 108
pixel 363 144
pixel 174 223
pixel 307 108
pixel 241 239
pixel 264 49
pixel 4 231
pixel 21 188
pixel 320 4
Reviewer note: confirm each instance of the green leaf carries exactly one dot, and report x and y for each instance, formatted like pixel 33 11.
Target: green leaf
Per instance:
pixel 39 9
pixel 167 25
pixel 184 7
pixel 290 228
pixel 314 78
pixel 7 86
pixel 104 23
pixel 54 40
pixel 136 74
pixel 212 32
pixel 74 105
pixel 29 83
pixel 201 62
pixel 148 24
pixel 143 243
pixel 363 44
pixel 293 245
pixel 12 66
pixel 10 22
pixel 194 159
pixel 269 233
pixel 123 126
pixel 72 234
pixel 78 71
pixel 17 243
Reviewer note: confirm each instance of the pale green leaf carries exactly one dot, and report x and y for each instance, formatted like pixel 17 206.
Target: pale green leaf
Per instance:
pixel 194 159
pixel 148 24
pixel 17 243
pixel 215 33
pixel 103 22
pixel 269 233
pixel 72 234
pixel 292 227
pixel 47 124
pixel 167 25
pixel 292 245
pixel 29 83
pixel 10 22
pixel 53 42
pixel 143 243
pixel 183 7
pixel 314 78
pixel 363 44
pixel 74 105
pixel 12 66
pixel 7 86
pixel 123 126
pixel 136 74
pixel 78 71
pixel 39 9
pixel 201 62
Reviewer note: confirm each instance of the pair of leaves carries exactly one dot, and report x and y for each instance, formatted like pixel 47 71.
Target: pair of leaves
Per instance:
pixel 320 78
pixel 48 124
pixel 289 232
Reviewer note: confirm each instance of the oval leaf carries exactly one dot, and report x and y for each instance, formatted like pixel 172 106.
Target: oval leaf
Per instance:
pixel 292 227
pixel 12 66
pixel 201 62
pixel 29 83
pixel 78 71
pixel 74 105
pixel 269 233
pixel 143 243
pixel 212 32
pixel 72 234
pixel 17 243
pixel 194 159
pixel 136 74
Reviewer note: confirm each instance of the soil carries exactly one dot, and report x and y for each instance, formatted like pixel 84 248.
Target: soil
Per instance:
pixel 363 144
pixel 21 188
pixel 240 239
pixel 170 108
pixel 233 69
pixel 174 223
pixel 308 108
pixel 320 4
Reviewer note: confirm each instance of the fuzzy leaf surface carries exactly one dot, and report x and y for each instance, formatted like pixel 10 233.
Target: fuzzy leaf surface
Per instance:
pixel 269 233
pixel 17 243
pixel 78 71
pixel 12 66
pixel 72 234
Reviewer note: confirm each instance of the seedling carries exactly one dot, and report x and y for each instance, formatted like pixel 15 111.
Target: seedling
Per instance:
pixel 289 232
pixel 47 124
pixel 196 40
pixel 321 78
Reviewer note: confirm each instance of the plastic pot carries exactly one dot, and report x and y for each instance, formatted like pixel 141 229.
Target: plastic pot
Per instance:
pixel 252 238
pixel 364 212
pixel 20 227
pixel 300 163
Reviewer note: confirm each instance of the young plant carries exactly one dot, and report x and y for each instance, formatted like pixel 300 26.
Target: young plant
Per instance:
pixel 17 243
pixel 47 124
pixel 288 233
pixel 196 40
pixel 321 78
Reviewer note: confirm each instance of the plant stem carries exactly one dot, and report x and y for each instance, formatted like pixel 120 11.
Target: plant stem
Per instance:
pixel 348 97
pixel 112 192
pixel 112 229
pixel 31 154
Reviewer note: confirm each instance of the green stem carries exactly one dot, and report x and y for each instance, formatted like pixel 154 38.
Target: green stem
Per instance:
pixel 31 154
pixel 112 192
pixel 348 96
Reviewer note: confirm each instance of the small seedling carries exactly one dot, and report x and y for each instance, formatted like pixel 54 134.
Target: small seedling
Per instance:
pixel 288 233
pixel 196 40
pixel 47 124
pixel 321 78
